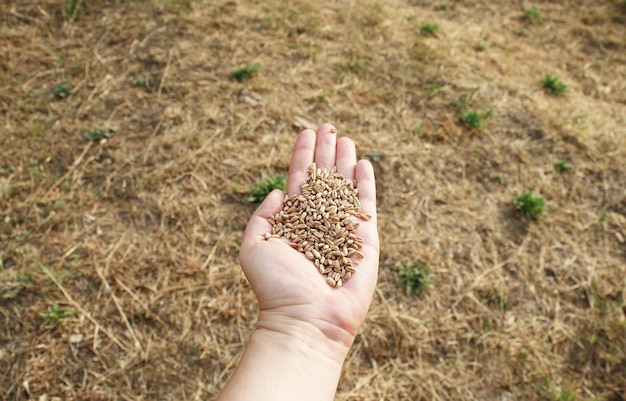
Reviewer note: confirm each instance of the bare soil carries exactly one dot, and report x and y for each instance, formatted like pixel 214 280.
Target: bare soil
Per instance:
pixel 121 192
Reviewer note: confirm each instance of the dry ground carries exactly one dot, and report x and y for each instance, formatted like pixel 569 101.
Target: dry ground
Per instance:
pixel 134 238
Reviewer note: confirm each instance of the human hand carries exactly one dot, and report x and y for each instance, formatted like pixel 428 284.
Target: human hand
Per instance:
pixel 294 298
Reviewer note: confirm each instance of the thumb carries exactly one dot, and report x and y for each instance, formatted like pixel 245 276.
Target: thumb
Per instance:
pixel 258 224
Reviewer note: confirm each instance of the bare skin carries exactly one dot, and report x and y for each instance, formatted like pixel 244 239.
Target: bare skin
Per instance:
pixel 305 327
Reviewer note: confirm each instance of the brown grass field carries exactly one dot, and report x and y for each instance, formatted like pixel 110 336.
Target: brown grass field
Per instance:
pixel 126 150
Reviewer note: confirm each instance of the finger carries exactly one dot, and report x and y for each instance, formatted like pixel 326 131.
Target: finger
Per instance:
pixel 367 187
pixel 301 159
pixel 325 147
pixel 346 157
pixel 258 225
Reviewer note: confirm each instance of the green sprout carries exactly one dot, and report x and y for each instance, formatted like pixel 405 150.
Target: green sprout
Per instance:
pixel 563 165
pixel 246 72
pixel 73 7
pixel 99 133
pixel 416 277
pixel 529 205
pixel 429 29
pixel 532 15
pixel 62 90
pixel 552 84
pixel 473 119
pixel 264 186
pixel 55 313
pixel 140 80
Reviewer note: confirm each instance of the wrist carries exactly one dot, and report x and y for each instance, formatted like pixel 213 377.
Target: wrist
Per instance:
pixel 316 338
pixel 279 363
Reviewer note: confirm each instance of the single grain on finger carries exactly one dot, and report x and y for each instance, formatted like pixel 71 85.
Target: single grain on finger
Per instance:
pixel 319 223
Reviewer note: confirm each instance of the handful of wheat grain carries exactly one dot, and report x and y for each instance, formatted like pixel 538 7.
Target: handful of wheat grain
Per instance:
pixel 319 223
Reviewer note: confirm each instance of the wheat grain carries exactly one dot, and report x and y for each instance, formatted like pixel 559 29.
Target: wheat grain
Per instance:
pixel 319 223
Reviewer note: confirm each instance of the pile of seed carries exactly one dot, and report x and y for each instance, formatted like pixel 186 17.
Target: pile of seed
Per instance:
pixel 319 223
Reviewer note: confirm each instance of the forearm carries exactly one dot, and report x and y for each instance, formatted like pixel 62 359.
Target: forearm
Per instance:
pixel 278 366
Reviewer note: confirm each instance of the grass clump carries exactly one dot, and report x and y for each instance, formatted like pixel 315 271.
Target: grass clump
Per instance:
pixel 264 186
pixel 474 119
pixel 469 118
pixel 99 133
pixel 62 90
pixel 532 16
pixel 563 165
pixel 529 205
pixel 56 313
pixel 416 277
pixel 73 7
pixel 429 29
pixel 552 84
pixel 246 72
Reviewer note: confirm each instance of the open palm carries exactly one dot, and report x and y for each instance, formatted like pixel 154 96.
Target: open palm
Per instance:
pixel 287 284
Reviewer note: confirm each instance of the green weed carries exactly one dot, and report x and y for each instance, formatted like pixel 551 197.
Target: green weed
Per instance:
pixel 62 90
pixel 264 186
pixel 246 72
pixel 461 103
pixel 532 16
pixel 434 88
pixel 73 7
pixel 99 133
pixel 480 46
pixel 11 284
pixel 429 29
pixel 377 156
pixel 140 80
pixel 471 119
pixel 55 313
pixel 529 205
pixel 549 391
pixel 563 165
pixel 552 84
pixel 474 119
pixel 416 277
pixel 178 6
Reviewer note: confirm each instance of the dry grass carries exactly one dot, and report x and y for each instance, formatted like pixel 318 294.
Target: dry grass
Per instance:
pixel 138 233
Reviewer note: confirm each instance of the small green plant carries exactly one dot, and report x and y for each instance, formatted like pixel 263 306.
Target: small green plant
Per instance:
pixel 549 391
pixel 532 15
pixel 480 46
pixel 376 157
pixel 62 90
pixel 563 165
pixel 264 186
pixel 461 103
pixel 246 72
pixel 434 88
pixel 429 29
pixel 529 205
pixel 73 7
pixel 473 119
pixel 416 277
pixel 140 80
pixel 99 133
pixel 55 313
pixel 552 84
